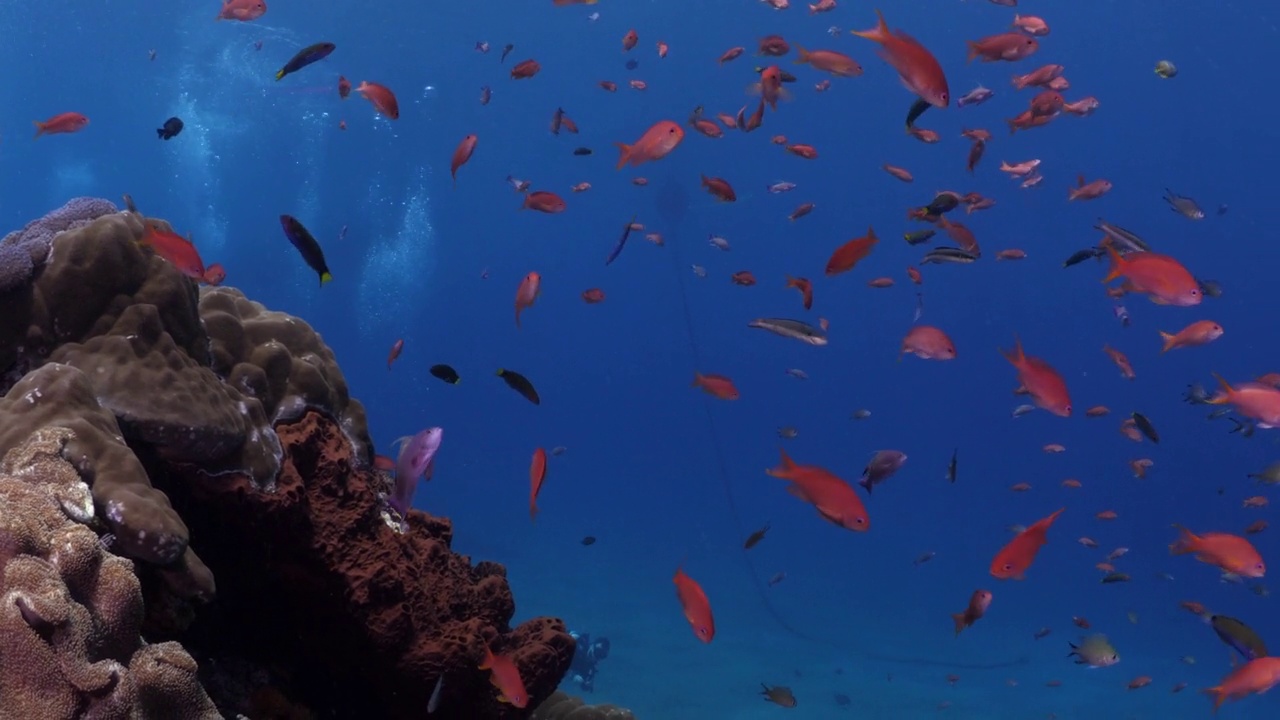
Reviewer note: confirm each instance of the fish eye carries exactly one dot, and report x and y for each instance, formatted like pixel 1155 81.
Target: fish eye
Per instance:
pixel 1008 567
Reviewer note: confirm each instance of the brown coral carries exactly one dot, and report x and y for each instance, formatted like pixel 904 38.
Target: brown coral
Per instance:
pixel 317 575
pixel 69 610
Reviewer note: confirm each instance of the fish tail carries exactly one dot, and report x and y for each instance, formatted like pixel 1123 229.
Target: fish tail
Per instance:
pixel 1169 341
pixel 280 75
pixel 325 277
pixel 533 510
pixel 879 33
pixel 958 619
pixel 697 379
pixel 39 128
pixel 802 56
pixel 1016 355
pixel 784 466
pixel 1219 695
pixel 1227 391
pixel 624 154
pixel 1117 263
pixel 865 481
pixel 1187 542
pixel 973 51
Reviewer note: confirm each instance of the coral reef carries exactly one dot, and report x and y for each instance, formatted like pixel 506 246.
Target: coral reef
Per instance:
pixel 70 611
pixel 562 706
pixel 187 420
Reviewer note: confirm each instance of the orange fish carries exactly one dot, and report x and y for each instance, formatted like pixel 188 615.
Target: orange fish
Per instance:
pixel 1256 676
pixel 537 474
pixel 697 609
pixel 543 201
pixel 928 343
pixel 808 152
pixel 461 155
pixel 67 122
pixel 384 101
pixel 1009 46
pixel 717 386
pixel 916 66
pixel 525 69
pixel 1121 361
pixel 179 251
pixel 344 87
pixel 900 173
pixel 396 349
pixel 1255 401
pixel 1088 191
pixel 830 61
pixel 851 253
pixel 720 188
pixel 629 40
pixel 731 54
pixel 1160 277
pixel 656 143
pixel 805 287
pixel 506 677
pixel 744 278
pixel 770 88
pixel 592 296
pixel 215 274
pixel 978 604
pixel 1201 332
pixel 242 10
pixel 528 291
pixel 1015 558
pixel 835 500
pixel 1041 381
pixel 1229 553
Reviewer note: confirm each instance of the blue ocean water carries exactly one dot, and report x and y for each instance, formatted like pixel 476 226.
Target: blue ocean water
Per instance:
pixel 660 473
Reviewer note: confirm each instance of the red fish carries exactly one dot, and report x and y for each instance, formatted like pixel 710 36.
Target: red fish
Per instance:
pixel 835 500
pixel 1041 381
pixel 530 288
pixel 1160 277
pixel 544 201
pixel 1014 558
pixel 697 609
pixel 395 352
pixel 461 155
pixel 851 253
pixel 656 143
pixel 179 251
pixel 344 87
pixel 242 10
pixel 1255 401
pixel 537 474
pixel 505 676
pixel 384 101
pixel 67 122
pixel 1256 676
pixel 720 188
pixel 215 274
pixel 978 604
pixel 918 68
pixel 717 386
pixel 928 343
pixel 1229 553
pixel 805 287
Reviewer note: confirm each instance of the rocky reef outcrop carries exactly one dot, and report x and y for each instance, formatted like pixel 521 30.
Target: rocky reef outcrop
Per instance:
pixel 188 489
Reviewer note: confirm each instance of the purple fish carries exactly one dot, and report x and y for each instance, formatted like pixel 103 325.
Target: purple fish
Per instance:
pixel 417 458
pixel 882 467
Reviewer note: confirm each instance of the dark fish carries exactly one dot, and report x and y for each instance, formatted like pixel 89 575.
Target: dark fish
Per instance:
pixel 622 241
pixel 796 329
pixel 171 128
pixel 520 384
pixel 924 558
pixel 485 94
pixel 307 246
pixel 632 64
pixel 589 540
pixel 128 203
pixel 1146 427
pixel 1210 288
pixel 582 151
pixel 1222 209
pixel 917 109
pixel 305 56
pixel 446 373
pixel 506 50
pixel 1115 577
pixel 951 467
pixel 942 203
pixel 755 537
pixel 947 255
pixel 919 236
pixel 1080 256
pixel 1183 205
pixel 1125 240
pixel 1239 636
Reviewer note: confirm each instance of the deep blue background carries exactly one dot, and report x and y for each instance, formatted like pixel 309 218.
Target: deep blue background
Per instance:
pixel 641 472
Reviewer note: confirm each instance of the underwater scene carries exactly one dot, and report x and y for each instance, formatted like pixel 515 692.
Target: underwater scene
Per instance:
pixel 606 360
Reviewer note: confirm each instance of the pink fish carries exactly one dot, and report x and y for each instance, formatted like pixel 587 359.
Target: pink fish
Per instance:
pixel 417 459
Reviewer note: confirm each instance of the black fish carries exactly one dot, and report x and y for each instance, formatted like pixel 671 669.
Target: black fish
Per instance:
pixel 917 109
pixel 632 64
pixel 582 151
pixel 1146 427
pixel 446 373
pixel 307 246
pixel 1080 256
pixel 506 50
pixel 951 468
pixel 589 540
pixel 919 236
pixel 755 537
pixel 520 384
pixel 171 128
pixel 942 203
pixel 622 241
pixel 306 56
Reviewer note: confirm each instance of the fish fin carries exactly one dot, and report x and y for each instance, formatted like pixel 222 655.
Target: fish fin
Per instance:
pixel 803 54
pixel 879 33
pixel 1117 263
pixel 1227 391
pixel 325 277
pixel 1168 339
pixel 280 75
pixel 1186 543
pixel 39 128
pixel 973 51
pixel 624 154
pixel 958 619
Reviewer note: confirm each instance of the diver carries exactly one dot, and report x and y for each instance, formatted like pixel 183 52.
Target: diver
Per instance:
pixel 587 655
